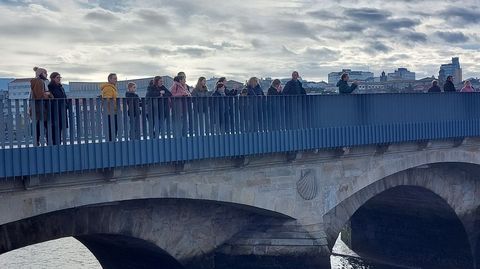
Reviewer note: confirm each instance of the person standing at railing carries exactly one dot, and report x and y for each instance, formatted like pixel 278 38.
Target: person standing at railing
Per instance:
pixel 255 104
pixel 187 102
pixel 158 105
pixel 434 87
pixel 294 86
pixel 200 103
pixel 295 110
pixel 59 107
pixel 449 86
pixel 133 109
pixel 110 94
pixel 467 87
pixel 274 103
pixel 40 96
pixel 180 102
pixel 275 88
pixel 222 109
pixel 343 87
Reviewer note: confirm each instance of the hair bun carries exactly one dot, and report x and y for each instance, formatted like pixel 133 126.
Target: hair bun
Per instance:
pixel 35 69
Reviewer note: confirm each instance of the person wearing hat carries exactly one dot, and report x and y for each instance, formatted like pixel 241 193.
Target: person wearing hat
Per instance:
pixel 39 95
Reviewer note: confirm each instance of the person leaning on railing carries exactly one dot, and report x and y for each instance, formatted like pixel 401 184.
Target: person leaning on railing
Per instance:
pixel 40 96
pixel 110 94
pixel 343 87
pixel 294 86
pixel 275 88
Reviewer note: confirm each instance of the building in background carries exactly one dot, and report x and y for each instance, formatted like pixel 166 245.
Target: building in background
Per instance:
pixel 92 89
pixel 451 69
pixel 334 77
pixel 401 74
pixel 383 77
pixel 19 88
pixel 396 86
pixel 4 83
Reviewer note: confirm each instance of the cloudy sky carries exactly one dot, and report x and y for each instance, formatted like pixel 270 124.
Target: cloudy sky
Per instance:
pixel 85 40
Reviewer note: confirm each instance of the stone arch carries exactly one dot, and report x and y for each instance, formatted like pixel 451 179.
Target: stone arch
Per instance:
pixel 169 231
pixel 384 167
pixel 409 226
pixel 442 179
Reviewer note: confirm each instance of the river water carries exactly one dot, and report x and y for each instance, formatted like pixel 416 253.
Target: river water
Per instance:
pixel 68 253
pixel 65 253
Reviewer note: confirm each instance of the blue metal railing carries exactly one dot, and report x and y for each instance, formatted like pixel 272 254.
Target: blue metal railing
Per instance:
pixel 55 136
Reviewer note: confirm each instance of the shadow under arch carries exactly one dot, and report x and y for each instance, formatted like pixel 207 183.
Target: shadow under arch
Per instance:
pixel 119 251
pixel 131 234
pixel 410 226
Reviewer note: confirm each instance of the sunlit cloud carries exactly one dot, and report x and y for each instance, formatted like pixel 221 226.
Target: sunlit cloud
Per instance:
pixel 85 40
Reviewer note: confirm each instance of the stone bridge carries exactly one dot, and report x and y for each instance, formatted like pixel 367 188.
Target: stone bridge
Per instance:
pixel 280 210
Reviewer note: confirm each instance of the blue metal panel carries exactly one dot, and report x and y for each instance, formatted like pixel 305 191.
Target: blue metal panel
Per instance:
pixel 250 126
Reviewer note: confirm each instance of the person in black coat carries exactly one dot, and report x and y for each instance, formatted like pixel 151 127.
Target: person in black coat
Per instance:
pixel 343 87
pixel 58 108
pixel 435 87
pixel 294 86
pixel 158 104
pixel 222 106
pixel 275 104
pixel 275 88
pixel 133 109
pixel 449 86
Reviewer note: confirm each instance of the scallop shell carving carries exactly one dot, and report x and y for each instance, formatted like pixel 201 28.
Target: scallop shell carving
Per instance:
pixel 307 185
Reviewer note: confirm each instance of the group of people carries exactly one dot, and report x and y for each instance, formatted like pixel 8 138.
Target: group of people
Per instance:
pixel 50 104
pixel 158 108
pixel 50 116
pixel 449 86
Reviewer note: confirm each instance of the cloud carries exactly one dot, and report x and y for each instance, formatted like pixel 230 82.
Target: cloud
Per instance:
pixel 453 37
pixel 100 16
pixel 378 46
pixel 367 14
pixel 461 15
pixel 86 39
pixel 415 37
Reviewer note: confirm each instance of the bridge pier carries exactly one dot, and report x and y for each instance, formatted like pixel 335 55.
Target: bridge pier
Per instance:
pixel 270 245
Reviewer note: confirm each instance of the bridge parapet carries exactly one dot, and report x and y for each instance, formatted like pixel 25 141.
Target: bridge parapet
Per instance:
pixel 226 128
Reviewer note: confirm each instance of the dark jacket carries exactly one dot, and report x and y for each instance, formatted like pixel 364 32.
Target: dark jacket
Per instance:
pixel 59 105
pixel 231 92
pixel 449 87
pixel 133 104
pixel 155 99
pixel 257 90
pixel 294 87
pixel 200 103
pixel 273 91
pixel 434 89
pixel 343 87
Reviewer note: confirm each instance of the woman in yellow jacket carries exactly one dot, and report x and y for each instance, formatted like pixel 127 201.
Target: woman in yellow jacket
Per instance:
pixel 110 92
